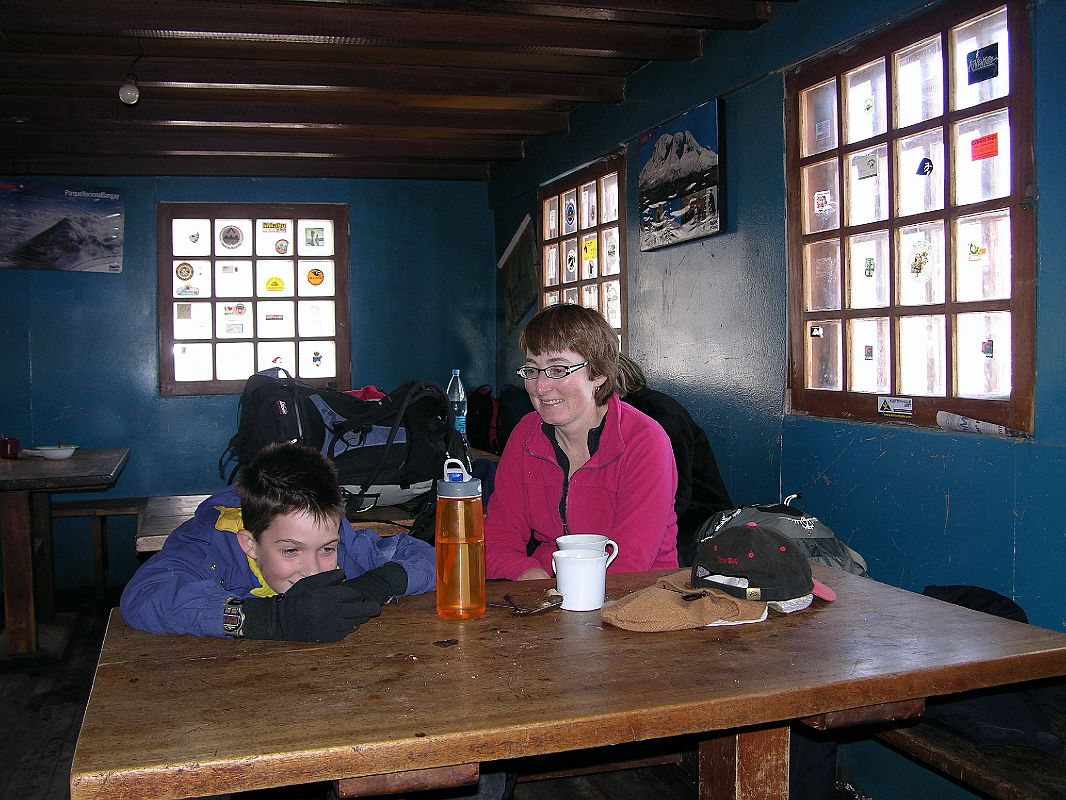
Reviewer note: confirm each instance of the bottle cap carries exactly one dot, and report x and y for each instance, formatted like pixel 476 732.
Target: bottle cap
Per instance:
pixel 457 482
pixel 455 372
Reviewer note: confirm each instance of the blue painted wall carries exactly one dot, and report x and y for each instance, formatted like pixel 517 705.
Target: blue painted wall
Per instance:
pixel 79 352
pixel 922 506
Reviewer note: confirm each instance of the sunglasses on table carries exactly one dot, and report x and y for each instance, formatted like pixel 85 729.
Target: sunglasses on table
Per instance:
pixel 555 371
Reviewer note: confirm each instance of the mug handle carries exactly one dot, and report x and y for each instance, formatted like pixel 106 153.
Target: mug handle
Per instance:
pixel 614 550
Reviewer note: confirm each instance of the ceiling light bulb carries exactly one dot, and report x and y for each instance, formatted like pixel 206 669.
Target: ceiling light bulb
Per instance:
pixel 128 92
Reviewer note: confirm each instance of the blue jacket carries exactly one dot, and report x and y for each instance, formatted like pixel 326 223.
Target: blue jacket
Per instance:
pixel 183 587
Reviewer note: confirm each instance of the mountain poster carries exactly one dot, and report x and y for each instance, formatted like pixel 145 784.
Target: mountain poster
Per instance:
pixel 678 180
pixel 50 226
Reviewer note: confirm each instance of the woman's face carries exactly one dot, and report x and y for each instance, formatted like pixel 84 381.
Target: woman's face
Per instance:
pixel 569 402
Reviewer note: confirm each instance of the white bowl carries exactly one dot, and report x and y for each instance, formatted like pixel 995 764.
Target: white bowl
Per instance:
pixel 58 452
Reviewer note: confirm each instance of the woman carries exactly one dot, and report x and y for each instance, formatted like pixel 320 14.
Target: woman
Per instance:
pixel 582 462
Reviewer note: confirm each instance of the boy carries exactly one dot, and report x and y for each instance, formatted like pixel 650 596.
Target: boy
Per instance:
pixel 274 558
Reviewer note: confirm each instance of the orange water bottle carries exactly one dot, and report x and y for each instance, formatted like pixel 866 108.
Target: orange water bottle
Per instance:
pixel 460 544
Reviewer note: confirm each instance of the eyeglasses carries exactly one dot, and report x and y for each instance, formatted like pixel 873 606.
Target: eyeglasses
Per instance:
pixel 555 371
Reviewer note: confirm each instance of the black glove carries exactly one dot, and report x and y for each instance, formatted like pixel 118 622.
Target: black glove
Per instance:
pixel 318 608
pixel 381 583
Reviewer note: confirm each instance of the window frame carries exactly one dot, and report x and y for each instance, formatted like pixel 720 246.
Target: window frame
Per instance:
pixel 615 163
pixel 167 212
pixel 1016 411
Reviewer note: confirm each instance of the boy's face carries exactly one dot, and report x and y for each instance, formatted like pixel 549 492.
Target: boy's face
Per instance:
pixel 293 547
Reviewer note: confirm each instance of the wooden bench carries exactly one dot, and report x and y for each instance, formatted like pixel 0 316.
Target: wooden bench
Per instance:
pixel 162 515
pixel 98 511
pixel 1004 772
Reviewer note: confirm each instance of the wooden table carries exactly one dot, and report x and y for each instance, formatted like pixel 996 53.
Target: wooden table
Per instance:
pixel 24 486
pixel 174 717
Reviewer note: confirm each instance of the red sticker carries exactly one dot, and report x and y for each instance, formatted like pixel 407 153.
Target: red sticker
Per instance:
pixel 984 147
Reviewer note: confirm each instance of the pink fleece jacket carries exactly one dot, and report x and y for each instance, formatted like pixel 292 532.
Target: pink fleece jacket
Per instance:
pixel 625 491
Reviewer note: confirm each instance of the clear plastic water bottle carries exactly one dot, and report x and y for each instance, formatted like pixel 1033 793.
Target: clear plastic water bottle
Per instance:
pixel 457 400
pixel 460 544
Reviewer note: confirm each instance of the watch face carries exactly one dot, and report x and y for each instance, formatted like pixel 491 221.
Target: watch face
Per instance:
pixel 232 618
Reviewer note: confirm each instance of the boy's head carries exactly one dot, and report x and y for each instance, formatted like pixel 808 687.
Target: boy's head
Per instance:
pixel 291 507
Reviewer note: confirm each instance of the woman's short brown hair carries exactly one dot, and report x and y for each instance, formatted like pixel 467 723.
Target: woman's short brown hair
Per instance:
pixel 583 330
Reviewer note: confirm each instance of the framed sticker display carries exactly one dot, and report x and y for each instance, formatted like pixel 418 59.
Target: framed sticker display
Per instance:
pixel 246 287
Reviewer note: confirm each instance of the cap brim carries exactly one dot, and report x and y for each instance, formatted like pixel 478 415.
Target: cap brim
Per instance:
pixel 822 591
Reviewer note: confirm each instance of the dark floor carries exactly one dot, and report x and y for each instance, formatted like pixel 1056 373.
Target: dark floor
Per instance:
pixel 42 699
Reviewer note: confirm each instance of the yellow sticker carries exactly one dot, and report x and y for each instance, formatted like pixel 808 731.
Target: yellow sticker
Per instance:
pixel 588 250
pixel 315 277
pixel 275 285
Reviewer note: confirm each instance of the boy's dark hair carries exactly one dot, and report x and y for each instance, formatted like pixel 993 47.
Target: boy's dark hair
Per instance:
pixel 583 330
pixel 287 478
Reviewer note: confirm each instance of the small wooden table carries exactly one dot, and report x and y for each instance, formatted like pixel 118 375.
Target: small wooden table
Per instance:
pixel 177 716
pixel 24 486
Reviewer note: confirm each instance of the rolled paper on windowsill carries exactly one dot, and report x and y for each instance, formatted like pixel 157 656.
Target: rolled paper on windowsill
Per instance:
pixel 956 422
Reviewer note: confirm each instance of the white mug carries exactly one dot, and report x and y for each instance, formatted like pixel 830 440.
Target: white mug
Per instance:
pixel 587 541
pixel 581 577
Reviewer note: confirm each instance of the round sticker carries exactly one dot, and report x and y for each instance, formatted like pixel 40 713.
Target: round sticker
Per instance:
pixel 184 271
pixel 231 236
pixel 315 277
pixel 275 285
pixel 282 246
pixel 571 213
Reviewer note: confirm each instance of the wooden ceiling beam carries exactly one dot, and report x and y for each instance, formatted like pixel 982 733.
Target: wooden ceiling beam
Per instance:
pixel 333 23
pixel 189 113
pixel 15 140
pixel 230 165
pixel 73 71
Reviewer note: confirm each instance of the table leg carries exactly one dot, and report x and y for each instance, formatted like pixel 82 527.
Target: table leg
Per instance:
pixel 751 765
pixel 19 612
pixel 44 567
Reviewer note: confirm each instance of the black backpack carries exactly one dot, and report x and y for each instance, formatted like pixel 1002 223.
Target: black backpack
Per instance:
pixel 483 420
pixel 387 452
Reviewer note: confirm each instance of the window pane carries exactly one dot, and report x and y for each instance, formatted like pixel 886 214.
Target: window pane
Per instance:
pixel 233 320
pixel 920 277
pixel 868 270
pixel 609 197
pixel 570 296
pixel 589 257
pixel 983 256
pixel 191 237
pixel 192 321
pixel 273 237
pixel 588 205
pixel 868 365
pixel 233 237
pixel 234 361
pixel 316 318
pixel 921 356
pixel 276 354
pixel 193 362
pixel 824 355
pixel 612 301
pixel 192 279
pixel 551 299
pixel 919 82
pixel 317 359
pixel 920 172
pixel 275 319
pixel 274 278
pixel 982 158
pixel 551 218
pixel 551 265
pixel 570 261
pixel 316 278
pixel 980 56
pixel 570 211
pixel 868 186
pixel 867 113
pixel 822 271
pixel 818 118
pixel 233 278
pixel 314 237
pixel 611 262
pixel 821 197
pixel 590 296
pixel 983 355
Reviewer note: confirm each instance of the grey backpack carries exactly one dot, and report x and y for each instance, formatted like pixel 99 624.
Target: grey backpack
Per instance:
pixel 813 537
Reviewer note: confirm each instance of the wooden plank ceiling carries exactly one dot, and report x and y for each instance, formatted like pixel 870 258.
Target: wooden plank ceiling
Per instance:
pixel 322 88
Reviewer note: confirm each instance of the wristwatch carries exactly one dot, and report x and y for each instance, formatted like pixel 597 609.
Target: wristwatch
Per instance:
pixel 233 618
